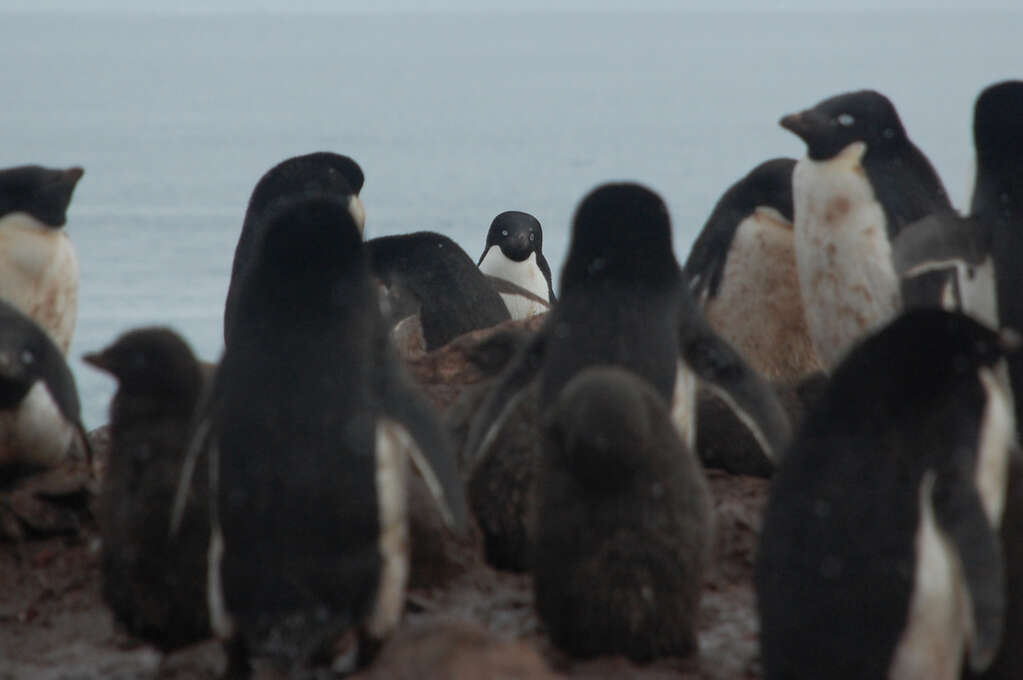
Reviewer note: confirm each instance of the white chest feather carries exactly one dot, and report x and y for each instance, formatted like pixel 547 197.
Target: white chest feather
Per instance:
pixel 525 274
pixel 683 405
pixel 39 274
pixel 843 254
pixel 35 432
pixel 997 435
pixel 759 308
pixel 934 639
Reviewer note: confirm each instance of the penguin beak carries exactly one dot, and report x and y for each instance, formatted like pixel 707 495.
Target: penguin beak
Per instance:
pixel 804 124
pixel 97 360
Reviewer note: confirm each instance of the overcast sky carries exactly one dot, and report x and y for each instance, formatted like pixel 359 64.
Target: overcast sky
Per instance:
pixel 504 5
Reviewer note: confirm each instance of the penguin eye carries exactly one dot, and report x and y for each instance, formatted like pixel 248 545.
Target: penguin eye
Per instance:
pixel 888 133
pixel 27 357
pixel 504 232
pixel 532 237
pixel 846 120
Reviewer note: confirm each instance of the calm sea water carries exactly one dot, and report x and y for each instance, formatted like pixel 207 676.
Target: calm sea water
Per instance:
pixel 453 117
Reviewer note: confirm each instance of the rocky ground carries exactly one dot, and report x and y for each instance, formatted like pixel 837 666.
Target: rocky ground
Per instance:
pixel 471 622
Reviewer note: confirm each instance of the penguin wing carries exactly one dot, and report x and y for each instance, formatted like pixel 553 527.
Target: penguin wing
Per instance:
pixel 426 443
pixel 960 514
pixel 706 262
pixel 512 386
pixel 929 254
pixel 506 287
pixel 728 375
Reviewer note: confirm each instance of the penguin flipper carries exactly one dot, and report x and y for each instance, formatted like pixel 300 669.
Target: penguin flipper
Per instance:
pixel 960 514
pixel 727 374
pixel 505 396
pixel 930 254
pixel 429 448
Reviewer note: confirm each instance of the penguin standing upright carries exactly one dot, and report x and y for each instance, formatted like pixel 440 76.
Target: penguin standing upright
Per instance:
pixel 624 303
pixel 623 522
pixel 155 586
pixel 306 433
pixel 513 259
pixel 742 271
pixel 38 265
pixel 40 415
pixel 319 171
pixel 860 183
pixel 879 553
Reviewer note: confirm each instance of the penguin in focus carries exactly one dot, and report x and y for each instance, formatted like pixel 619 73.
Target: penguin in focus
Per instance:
pixel 306 433
pixel 861 182
pixel 154 584
pixel 513 255
pixel 879 554
pixel 742 271
pixel 440 292
pixel 38 265
pixel 624 303
pixel 623 522
pixel 40 415
pixel 319 171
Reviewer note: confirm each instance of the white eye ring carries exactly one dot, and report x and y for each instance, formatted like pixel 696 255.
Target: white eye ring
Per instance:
pixel 504 232
pixel 846 120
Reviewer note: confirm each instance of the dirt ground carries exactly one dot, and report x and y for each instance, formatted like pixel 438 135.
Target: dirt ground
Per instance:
pixel 474 622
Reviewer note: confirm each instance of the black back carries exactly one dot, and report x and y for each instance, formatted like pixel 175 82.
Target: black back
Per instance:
pixel 321 171
pixel 769 184
pixel 41 192
pixel 518 234
pixel 620 291
pixel 29 355
pixel 155 585
pixel 904 181
pixel 293 420
pixel 453 294
pixel 836 558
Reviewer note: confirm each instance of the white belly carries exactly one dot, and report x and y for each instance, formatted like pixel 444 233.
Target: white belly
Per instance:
pixel 525 274
pixel 39 275
pixel 36 432
pixel 759 308
pixel 932 644
pixel 683 405
pixel 843 254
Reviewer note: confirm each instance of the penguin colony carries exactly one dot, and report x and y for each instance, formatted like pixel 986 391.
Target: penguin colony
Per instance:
pixel 266 502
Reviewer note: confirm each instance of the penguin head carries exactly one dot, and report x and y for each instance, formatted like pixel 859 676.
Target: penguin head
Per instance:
pixel 319 172
pixel 518 234
pixel 621 233
pixel 833 124
pixel 918 355
pixel 43 193
pixel 152 362
pixel 769 185
pixel 600 426
pixel 998 137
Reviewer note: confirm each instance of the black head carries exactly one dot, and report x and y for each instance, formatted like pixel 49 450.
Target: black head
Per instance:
pixel 918 355
pixel 517 233
pixel 41 192
pixel 28 354
pixel 998 137
pixel 621 232
pixel 601 426
pixel 154 362
pixel 833 124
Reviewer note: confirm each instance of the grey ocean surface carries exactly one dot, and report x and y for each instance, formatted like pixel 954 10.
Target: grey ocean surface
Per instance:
pixel 453 117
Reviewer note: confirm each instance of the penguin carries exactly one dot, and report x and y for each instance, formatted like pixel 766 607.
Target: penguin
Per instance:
pixel 624 303
pixel 155 586
pixel 306 432
pixel 623 522
pixel 514 254
pixel 742 272
pixel 861 182
pixel 442 293
pixel 38 265
pixel 318 171
pixel 40 414
pixel 879 553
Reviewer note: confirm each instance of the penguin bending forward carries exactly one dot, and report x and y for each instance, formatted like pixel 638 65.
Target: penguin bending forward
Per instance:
pixel 879 555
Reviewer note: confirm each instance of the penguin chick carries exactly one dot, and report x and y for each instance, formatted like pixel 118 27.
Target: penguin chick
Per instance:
pixel 622 524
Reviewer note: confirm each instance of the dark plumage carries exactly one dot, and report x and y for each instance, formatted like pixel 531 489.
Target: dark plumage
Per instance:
pixel 623 522
pixel 43 193
pixel 885 511
pixel 154 583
